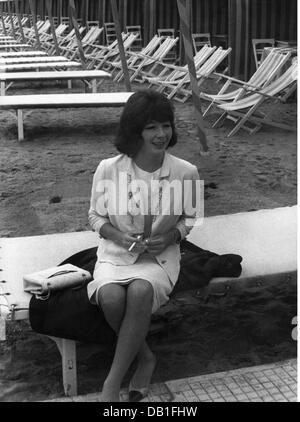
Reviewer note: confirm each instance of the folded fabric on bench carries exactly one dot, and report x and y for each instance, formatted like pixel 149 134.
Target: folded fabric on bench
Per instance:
pixel 69 314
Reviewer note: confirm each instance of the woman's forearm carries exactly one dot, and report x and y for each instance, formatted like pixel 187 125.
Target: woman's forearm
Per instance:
pixel 108 231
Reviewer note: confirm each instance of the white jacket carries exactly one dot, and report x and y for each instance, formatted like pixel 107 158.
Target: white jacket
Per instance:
pixel 108 195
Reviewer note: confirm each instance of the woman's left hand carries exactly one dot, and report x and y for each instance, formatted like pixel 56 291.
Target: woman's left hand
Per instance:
pixel 157 244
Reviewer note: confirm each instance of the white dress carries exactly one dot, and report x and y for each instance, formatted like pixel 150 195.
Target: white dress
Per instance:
pixel 146 267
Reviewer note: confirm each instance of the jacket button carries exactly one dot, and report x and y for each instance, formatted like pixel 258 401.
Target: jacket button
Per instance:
pixel 163 262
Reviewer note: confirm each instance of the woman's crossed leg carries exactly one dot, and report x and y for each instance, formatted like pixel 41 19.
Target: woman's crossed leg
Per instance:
pixel 128 311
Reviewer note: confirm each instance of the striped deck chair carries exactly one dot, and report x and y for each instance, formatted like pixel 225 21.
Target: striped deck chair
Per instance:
pixel 46 38
pixel 104 62
pixel 42 28
pixel 71 45
pixel 266 72
pixel 67 40
pixel 114 55
pixel 149 64
pixel 244 111
pixel 180 89
pixel 99 51
pixel 70 51
pixel 179 73
pixel 88 44
pixel 135 57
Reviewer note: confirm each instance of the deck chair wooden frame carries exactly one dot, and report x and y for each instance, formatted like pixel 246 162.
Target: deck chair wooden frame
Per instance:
pixel 71 46
pixel 200 40
pixel 59 31
pixel 110 32
pixel 179 74
pixel 135 58
pixel 66 41
pixel 268 70
pixel 99 52
pixel 268 247
pixel 150 63
pixel 244 112
pixel 89 24
pixel 137 29
pixel 166 32
pixel 89 45
pixel 112 55
pixel 171 57
pixel 180 89
pixel 42 27
pixel 258 45
pixel 90 37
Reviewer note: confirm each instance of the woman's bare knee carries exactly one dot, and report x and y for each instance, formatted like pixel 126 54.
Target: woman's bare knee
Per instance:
pixel 112 300
pixel 140 294
pixel 112 296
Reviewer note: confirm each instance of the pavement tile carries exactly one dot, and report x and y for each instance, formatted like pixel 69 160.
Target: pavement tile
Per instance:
pixel 267 383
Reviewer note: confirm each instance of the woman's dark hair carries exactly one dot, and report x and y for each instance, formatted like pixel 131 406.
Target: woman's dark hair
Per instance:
pixel 142 107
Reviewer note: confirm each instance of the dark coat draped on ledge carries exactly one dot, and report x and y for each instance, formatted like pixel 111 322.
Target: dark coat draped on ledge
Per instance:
pixel 69 314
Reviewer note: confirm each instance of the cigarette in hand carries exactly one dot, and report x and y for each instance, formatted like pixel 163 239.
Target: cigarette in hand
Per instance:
pixel 134 243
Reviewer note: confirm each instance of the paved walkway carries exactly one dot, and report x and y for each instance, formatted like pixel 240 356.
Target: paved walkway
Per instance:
pixel 276 382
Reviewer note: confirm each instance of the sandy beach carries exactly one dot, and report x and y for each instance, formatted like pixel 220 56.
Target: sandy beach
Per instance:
pixel 45 188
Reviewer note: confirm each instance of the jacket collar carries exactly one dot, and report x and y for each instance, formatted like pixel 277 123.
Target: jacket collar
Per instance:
pixel 126 165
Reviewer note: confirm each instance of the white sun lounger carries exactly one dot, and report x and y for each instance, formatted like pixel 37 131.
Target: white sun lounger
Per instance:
pixel 16 60
pixel 39 65
pixel 7 79
pixel 266 239
pixel 15 46
pixel 35 53
pixel 7 41
pixel 20 102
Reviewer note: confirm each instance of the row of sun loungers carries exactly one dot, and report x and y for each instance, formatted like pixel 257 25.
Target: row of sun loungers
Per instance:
pixel 19 62
pixel 275 78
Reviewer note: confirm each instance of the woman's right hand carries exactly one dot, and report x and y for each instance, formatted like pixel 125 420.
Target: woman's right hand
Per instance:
pixel 127 239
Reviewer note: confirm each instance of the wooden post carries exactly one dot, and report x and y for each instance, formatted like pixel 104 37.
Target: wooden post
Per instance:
pixel 120 43
pixel 49 4
pixel 145 26
pixel 32 9
pixel 60 11
pixel 188 48
pixel 239 20
pixel 3 22
pixel 152 18
pixel 20 21
pixel 20 124
pixel 11 18
pixel 100 16
pixel 75 25
pixel 86 12
pixel 125 21
pixel 248 43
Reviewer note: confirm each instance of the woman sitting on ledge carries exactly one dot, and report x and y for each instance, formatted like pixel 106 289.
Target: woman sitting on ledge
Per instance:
pixel 144 201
